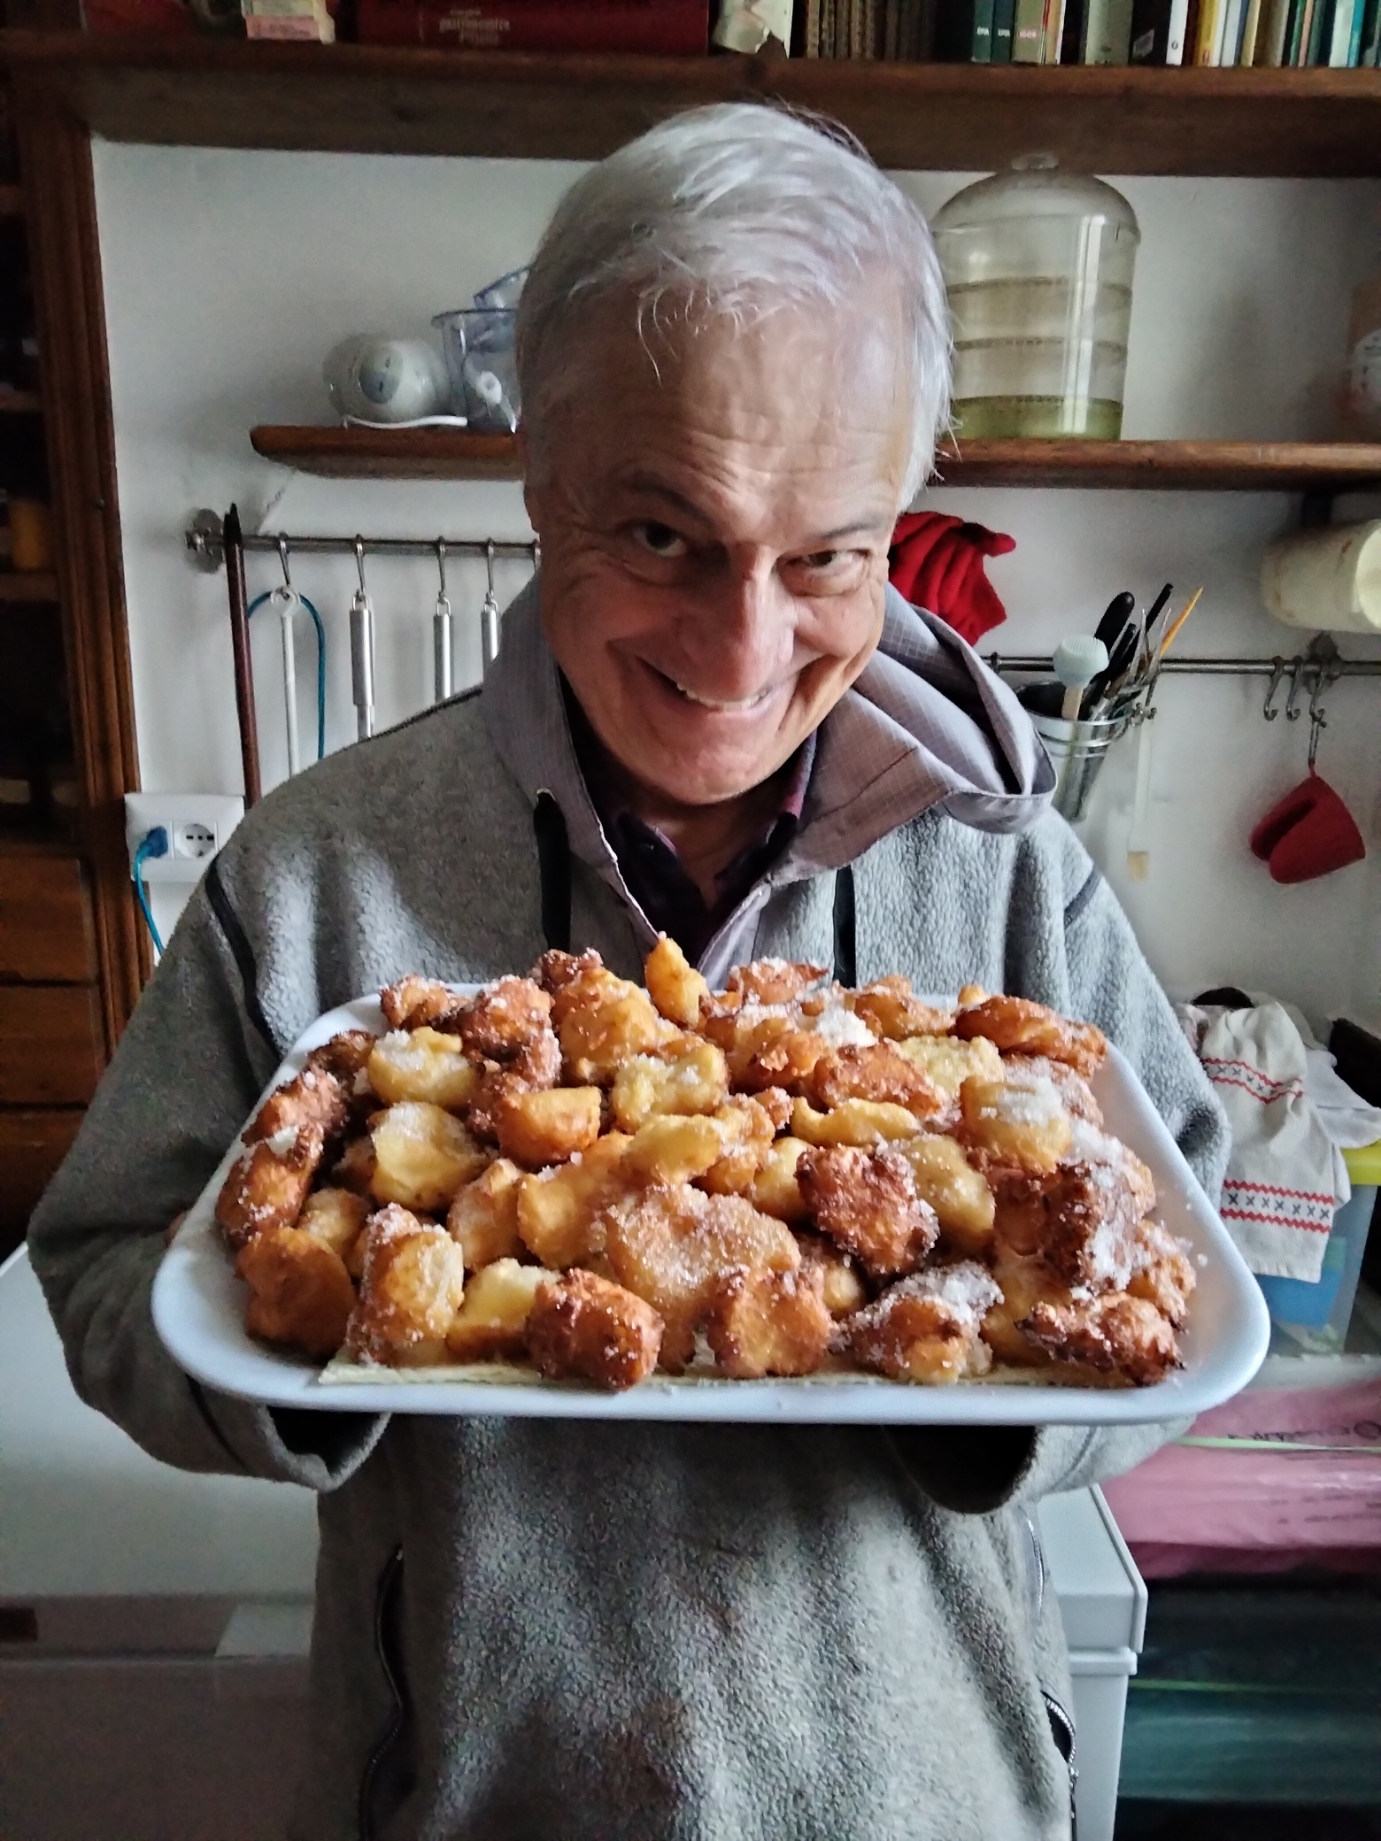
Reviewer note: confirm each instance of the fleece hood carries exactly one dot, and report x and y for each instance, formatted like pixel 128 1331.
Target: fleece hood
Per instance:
pixel 925 725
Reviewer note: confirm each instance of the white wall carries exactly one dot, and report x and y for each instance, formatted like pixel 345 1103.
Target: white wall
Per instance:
pixel 229 275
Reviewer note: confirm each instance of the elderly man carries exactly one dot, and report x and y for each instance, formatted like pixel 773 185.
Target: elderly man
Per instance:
pixel 710 716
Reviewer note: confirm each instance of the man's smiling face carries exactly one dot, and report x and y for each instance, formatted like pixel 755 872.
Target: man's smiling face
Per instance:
pixel 714 532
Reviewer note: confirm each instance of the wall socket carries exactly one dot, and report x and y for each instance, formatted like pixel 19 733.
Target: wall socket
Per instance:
pixel 197 825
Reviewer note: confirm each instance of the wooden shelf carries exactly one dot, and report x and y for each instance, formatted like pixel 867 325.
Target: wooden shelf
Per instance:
pixel 937 117
pixel 389 453
pixel 21 585
pixel 11 201
pixel 20 402
pixel 1170 466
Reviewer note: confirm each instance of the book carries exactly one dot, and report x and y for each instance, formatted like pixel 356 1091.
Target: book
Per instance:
pixel 1054 31
pixel 1228 46
pixel 667 28
pixel 1072 37
pixel 1158 31
pixel 1314 48
pixel 1004 17
pixel 1207 35
pixel 1251 27
pixel 967 26
pixel 1028 31
pixel 1338 48
pixel 1301 17
pixel 1270 37
pixel 1107 32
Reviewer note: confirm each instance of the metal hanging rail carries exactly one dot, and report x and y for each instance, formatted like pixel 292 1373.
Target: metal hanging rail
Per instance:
pixel 1209 667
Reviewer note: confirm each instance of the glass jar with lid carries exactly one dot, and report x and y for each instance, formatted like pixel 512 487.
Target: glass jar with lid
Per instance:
pixel 1038 266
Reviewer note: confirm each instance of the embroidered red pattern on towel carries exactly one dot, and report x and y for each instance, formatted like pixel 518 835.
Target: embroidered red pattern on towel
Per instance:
pixel 1258 1085
pixel 1302 1208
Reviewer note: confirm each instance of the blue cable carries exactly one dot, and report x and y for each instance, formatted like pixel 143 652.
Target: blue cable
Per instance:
pixel 153 844
pixel 257 603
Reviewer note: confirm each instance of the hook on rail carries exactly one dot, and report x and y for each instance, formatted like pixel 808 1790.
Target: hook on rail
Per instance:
pixel 1268 709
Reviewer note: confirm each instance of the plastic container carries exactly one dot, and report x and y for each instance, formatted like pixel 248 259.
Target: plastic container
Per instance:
pixel 1038 265
pixel 1316 1317
pixel 478 343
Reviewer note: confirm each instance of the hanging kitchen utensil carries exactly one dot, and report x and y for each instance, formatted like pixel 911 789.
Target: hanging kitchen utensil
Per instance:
pixel 288 605
pixel 362 651
pixel 443 635
pixel 1310 832
pixel 489 615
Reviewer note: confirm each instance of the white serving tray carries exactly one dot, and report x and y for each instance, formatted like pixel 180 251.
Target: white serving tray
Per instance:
pixel 198 1308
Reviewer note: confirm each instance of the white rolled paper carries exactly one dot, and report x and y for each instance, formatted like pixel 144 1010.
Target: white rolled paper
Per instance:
pixel 1326 578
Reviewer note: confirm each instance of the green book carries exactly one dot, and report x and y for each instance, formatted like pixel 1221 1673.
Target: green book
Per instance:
pixel 1004 18
pixel 1028 32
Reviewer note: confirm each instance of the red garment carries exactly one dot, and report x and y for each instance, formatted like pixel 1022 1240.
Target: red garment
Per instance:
pixel 936 561
pixel 1309 833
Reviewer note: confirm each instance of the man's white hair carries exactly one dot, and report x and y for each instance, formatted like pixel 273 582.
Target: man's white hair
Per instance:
pixel 735 212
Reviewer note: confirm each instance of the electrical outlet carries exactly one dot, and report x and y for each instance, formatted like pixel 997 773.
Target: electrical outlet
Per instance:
pixel 197 825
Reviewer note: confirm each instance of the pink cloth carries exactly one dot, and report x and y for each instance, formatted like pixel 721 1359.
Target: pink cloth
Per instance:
pixel 1247 1508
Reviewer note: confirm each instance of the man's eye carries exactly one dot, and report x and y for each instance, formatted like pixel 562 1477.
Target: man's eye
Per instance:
pixel 660 539
pixel 822 559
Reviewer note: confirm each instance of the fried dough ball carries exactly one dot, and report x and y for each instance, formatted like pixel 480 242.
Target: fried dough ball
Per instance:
pixel 560 1217
pixel 773 981
pixel 1023 1283
pixel 1161 1272
pixel 947 1062
pixel 672 1246
pixel 603 1030
pixel 842 1288
pixel 422 1155
pixel 483 1218
pixel 556 969
pixel 415 1000
pixel 1080 1219
pixel 410 1289
pixel 1090 1145
pixel 1073 1089
pixel 312 1097
pixel 355 1166
pixel 268 1183
pixel 1018 1026
pixel 422 1064
pixel 533 1069
pixel 344 1055
pixel 763 1323
pixel 587 1328
pixel 673 983
pixel 775 1190
pixel 547 1126
pixel 854 1121
pixel 492 1320
pixel 875 1073
pixel 690 1076
pixel 673 1150
pixel 866 1202
pixel 926 1328
pixel 336 1218
pixel 959 1194
pixel 891 1010
pixel 299 1290
pixel 766 1049
pixel 501 1020
pixel 1021 1124
pixel 749 1128
pixel 1114 1334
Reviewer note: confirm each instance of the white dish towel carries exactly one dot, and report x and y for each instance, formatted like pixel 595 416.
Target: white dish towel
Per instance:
pixel 1286 1176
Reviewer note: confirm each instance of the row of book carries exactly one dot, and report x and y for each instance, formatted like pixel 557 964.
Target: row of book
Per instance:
pixel 1261 32
pixel 1340 33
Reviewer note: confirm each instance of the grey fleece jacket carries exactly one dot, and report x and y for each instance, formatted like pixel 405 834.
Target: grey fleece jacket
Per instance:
pixel 533 1631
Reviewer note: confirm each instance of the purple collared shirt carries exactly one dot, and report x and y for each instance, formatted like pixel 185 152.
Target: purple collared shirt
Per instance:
pixel 649 862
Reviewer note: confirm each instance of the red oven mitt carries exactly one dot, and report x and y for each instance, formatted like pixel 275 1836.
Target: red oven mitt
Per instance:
pixel 1309 833
pixel 936 561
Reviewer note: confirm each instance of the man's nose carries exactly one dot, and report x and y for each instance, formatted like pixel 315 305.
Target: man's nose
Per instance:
pixel 748 630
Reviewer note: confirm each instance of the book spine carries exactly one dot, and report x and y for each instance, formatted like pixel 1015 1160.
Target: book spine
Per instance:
pixel 1366 54
pixel 1251 28
pixel 1320 24
pixel 1232 32
pixel 1109 36
pixel 668 28
pixel 1176 31
pixel 1054 31
pixel 1301 15
pixel 1340 52
pixel 1028 32
pixel 981 43
pixel 1274 21
pixel 1204 39
pixel 1004 17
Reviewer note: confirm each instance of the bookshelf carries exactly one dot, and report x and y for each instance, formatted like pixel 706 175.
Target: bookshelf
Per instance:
pixel 1313 123
pixel 1176 466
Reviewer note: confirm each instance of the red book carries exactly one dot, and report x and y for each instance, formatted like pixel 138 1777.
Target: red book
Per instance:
pixel 661 28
